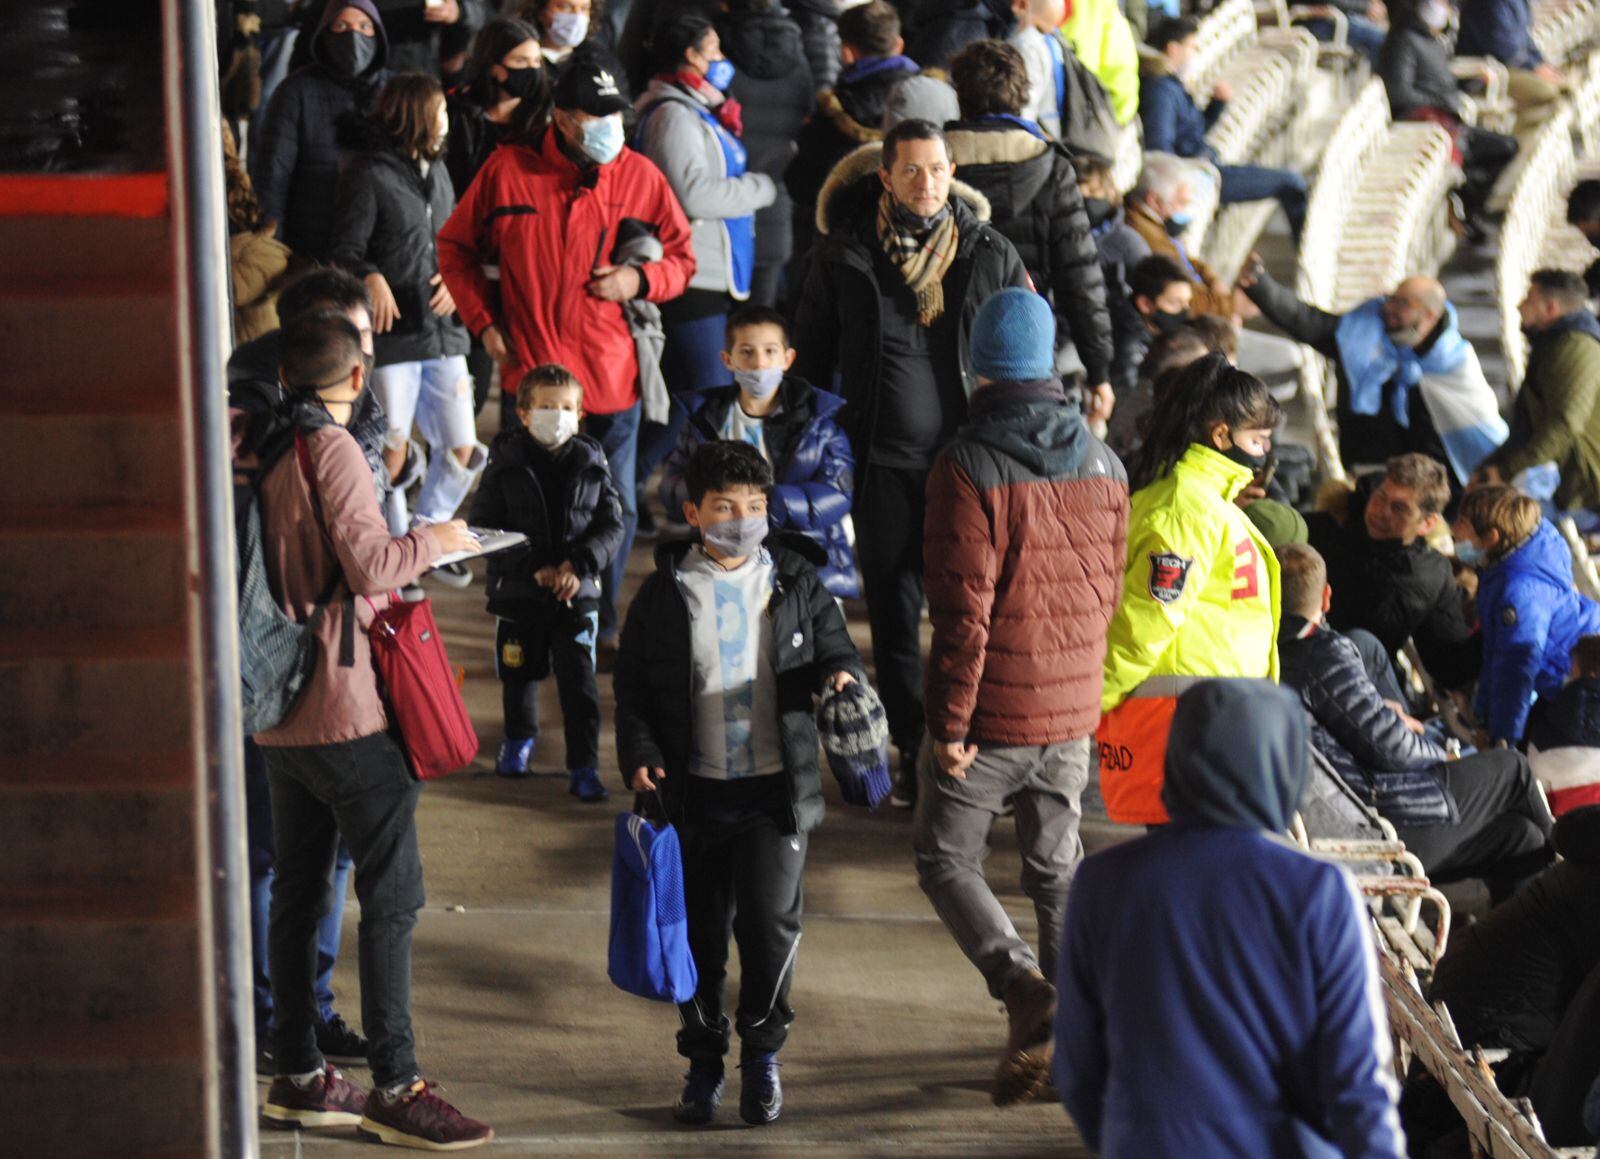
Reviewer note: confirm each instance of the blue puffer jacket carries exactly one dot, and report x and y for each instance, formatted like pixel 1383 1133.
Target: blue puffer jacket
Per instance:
pixel 1531 617
pixel 1173 123
pixel 1502 29
pixel 811 460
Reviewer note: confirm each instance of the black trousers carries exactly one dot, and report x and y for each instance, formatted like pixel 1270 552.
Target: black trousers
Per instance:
pixel 364 790
pixel 1503 835
pixel 526 651
pixel 741 878
pixel 1484 154
pixel 888 516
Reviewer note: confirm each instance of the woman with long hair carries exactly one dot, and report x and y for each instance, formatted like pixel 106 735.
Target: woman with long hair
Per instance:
pixel 503 94
pixel 393 196
pixel 1200 593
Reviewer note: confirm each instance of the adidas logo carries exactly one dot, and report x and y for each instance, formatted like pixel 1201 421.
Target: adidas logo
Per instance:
pixel 606 84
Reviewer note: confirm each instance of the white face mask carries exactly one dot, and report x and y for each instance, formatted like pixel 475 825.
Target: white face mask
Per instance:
pixel 568 29
pixel 552 428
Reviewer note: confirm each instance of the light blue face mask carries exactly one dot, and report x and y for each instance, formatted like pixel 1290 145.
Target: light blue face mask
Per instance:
pixel 759 384
pixel 603 138
pixel 719 74
pixel 736 538
pixel 568 29
pixel 1469 553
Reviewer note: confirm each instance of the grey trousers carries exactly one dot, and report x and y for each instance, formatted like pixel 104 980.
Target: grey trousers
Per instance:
pixel 951 840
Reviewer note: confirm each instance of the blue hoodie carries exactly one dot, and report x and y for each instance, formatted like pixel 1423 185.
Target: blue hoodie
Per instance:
pixel 1531 616
pixel 1218 990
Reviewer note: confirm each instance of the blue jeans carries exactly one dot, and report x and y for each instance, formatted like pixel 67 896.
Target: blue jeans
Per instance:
pixel 1362 35
pixel 618 435
pixel 436 395
pixel 258 824
pixel 1257 183
pixel 691 360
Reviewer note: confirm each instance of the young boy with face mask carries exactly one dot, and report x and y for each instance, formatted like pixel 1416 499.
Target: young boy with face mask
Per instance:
pixel 792 424
pixel 724 649
pixel 552 484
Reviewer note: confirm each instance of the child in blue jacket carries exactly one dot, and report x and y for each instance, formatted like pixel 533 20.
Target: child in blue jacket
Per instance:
pixel 1530 613
pixel 792 424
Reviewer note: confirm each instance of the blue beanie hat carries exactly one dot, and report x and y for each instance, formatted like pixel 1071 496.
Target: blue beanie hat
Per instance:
pixel 1014 337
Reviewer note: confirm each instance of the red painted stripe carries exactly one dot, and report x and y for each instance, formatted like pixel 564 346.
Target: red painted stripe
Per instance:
pixel 84 195
pixel 1566 800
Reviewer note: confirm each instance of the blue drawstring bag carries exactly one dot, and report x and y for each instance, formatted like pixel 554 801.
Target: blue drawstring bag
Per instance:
pixel 649 953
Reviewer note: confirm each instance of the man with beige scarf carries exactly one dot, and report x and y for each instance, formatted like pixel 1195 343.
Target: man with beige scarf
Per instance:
pixel 904 258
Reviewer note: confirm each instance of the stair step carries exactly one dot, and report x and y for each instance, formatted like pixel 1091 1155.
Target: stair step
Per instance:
pixel 120 972
pixel 55 587
pixel 112 354
pixel 60 837
pixel 66 706
pixel 86 770
pixel 115 460
pixel 152 900
pixel 153 1109
pixel 94 643
pixel 132 252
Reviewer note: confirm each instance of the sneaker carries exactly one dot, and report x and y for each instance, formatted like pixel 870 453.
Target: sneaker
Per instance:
pixel 514 757
pixel 760 1091
pixel 453 575
pixel 585 785
pixel 702 1093
pixel 326 1101
pixel 418 1118
pixel 1031 1009
pixel 338 1043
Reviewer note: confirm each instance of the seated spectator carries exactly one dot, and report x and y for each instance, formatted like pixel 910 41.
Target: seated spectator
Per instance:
pixel 1503 31
pixel 1162 296
pixel 1218 993
pixel 1120 249
pixel 792 424
pixel 1583 214
pixel 1415 67
pixel 1408 379
pixel 1167 354
pixel 1526 978
pixel 1556 416
pixel 1158 211
pixel 1173 123
pixel 944 27
pixel 1034 201
pixel 1387 580
pixel 1530 613
pixel 1103 40
pixel 1479 816
pixel 295 161
pixel 1037 36
pixel 1564 734
pixel 1366 25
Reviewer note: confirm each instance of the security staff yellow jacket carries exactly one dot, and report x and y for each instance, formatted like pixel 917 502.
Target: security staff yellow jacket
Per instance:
pixel 1200 592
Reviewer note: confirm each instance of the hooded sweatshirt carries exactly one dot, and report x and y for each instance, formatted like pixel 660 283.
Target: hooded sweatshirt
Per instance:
pixel 1240 1015
pixel 1027 514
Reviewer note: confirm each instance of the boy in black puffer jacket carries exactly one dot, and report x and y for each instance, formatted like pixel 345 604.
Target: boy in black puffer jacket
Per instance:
pixel 724 649
pixel 552 484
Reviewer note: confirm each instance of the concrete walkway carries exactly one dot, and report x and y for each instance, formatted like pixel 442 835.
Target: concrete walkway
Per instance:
pixel 894 1040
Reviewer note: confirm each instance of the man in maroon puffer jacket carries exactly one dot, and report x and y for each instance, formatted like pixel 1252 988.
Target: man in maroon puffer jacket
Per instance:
pixel 1027 520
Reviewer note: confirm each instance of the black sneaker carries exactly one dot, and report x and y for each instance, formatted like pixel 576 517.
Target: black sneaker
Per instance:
pixel 760 1091
pixel 702 1093
pixel 338 1043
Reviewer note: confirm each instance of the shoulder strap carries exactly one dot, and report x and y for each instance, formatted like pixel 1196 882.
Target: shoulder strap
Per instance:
pixel 347 635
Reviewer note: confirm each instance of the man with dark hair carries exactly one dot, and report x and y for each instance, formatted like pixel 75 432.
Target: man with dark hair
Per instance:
pixel 334 767
pixel 320 288
pixel 902 265
pixel 1387 580
pixel 1035 202
pixel 1480 816
pixel 1583 214
pixel 724 648
pixel 1556 416
pixel 1173 123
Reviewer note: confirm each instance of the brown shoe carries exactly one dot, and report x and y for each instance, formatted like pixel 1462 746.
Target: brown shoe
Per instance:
pixel 1025 1069
pixel 418 1118
pixel 328 1102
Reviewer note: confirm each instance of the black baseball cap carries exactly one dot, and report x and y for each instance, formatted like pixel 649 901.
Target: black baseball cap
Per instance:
pixel 589 87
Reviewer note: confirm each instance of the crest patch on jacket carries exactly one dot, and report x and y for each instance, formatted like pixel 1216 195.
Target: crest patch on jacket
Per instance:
pixel 1168 574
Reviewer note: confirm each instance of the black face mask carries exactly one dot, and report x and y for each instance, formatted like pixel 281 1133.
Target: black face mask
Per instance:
pixel 1166 321
pixel 522 83
pixel 1098 209
pixel 1256 463
pixel 349 52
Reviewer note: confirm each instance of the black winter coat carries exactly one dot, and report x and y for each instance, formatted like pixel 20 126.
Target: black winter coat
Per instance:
pixel 772 80
pixel 837 329
pixel 655 674
pixel 848 115
pixel 1386 764
pixel 819 30
pixel 415 44
pixel 386 219
pixel 1035 202
pixel 1415 67
pixel 509 498
pixel 944 27
pixel 1397 593
pixel 472 138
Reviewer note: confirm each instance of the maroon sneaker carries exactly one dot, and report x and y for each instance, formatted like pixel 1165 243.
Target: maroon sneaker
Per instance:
pixel 328 1102
pixel 420 1119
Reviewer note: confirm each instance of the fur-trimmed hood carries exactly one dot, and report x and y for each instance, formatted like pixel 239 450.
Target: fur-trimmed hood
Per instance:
pixel 985 143
pixel 845 182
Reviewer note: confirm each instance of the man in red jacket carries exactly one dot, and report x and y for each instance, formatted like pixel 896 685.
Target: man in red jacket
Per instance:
pixel 547 212
pixel 1027 518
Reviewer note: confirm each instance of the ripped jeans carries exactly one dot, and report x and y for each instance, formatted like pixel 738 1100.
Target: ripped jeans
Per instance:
pixel 436 395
